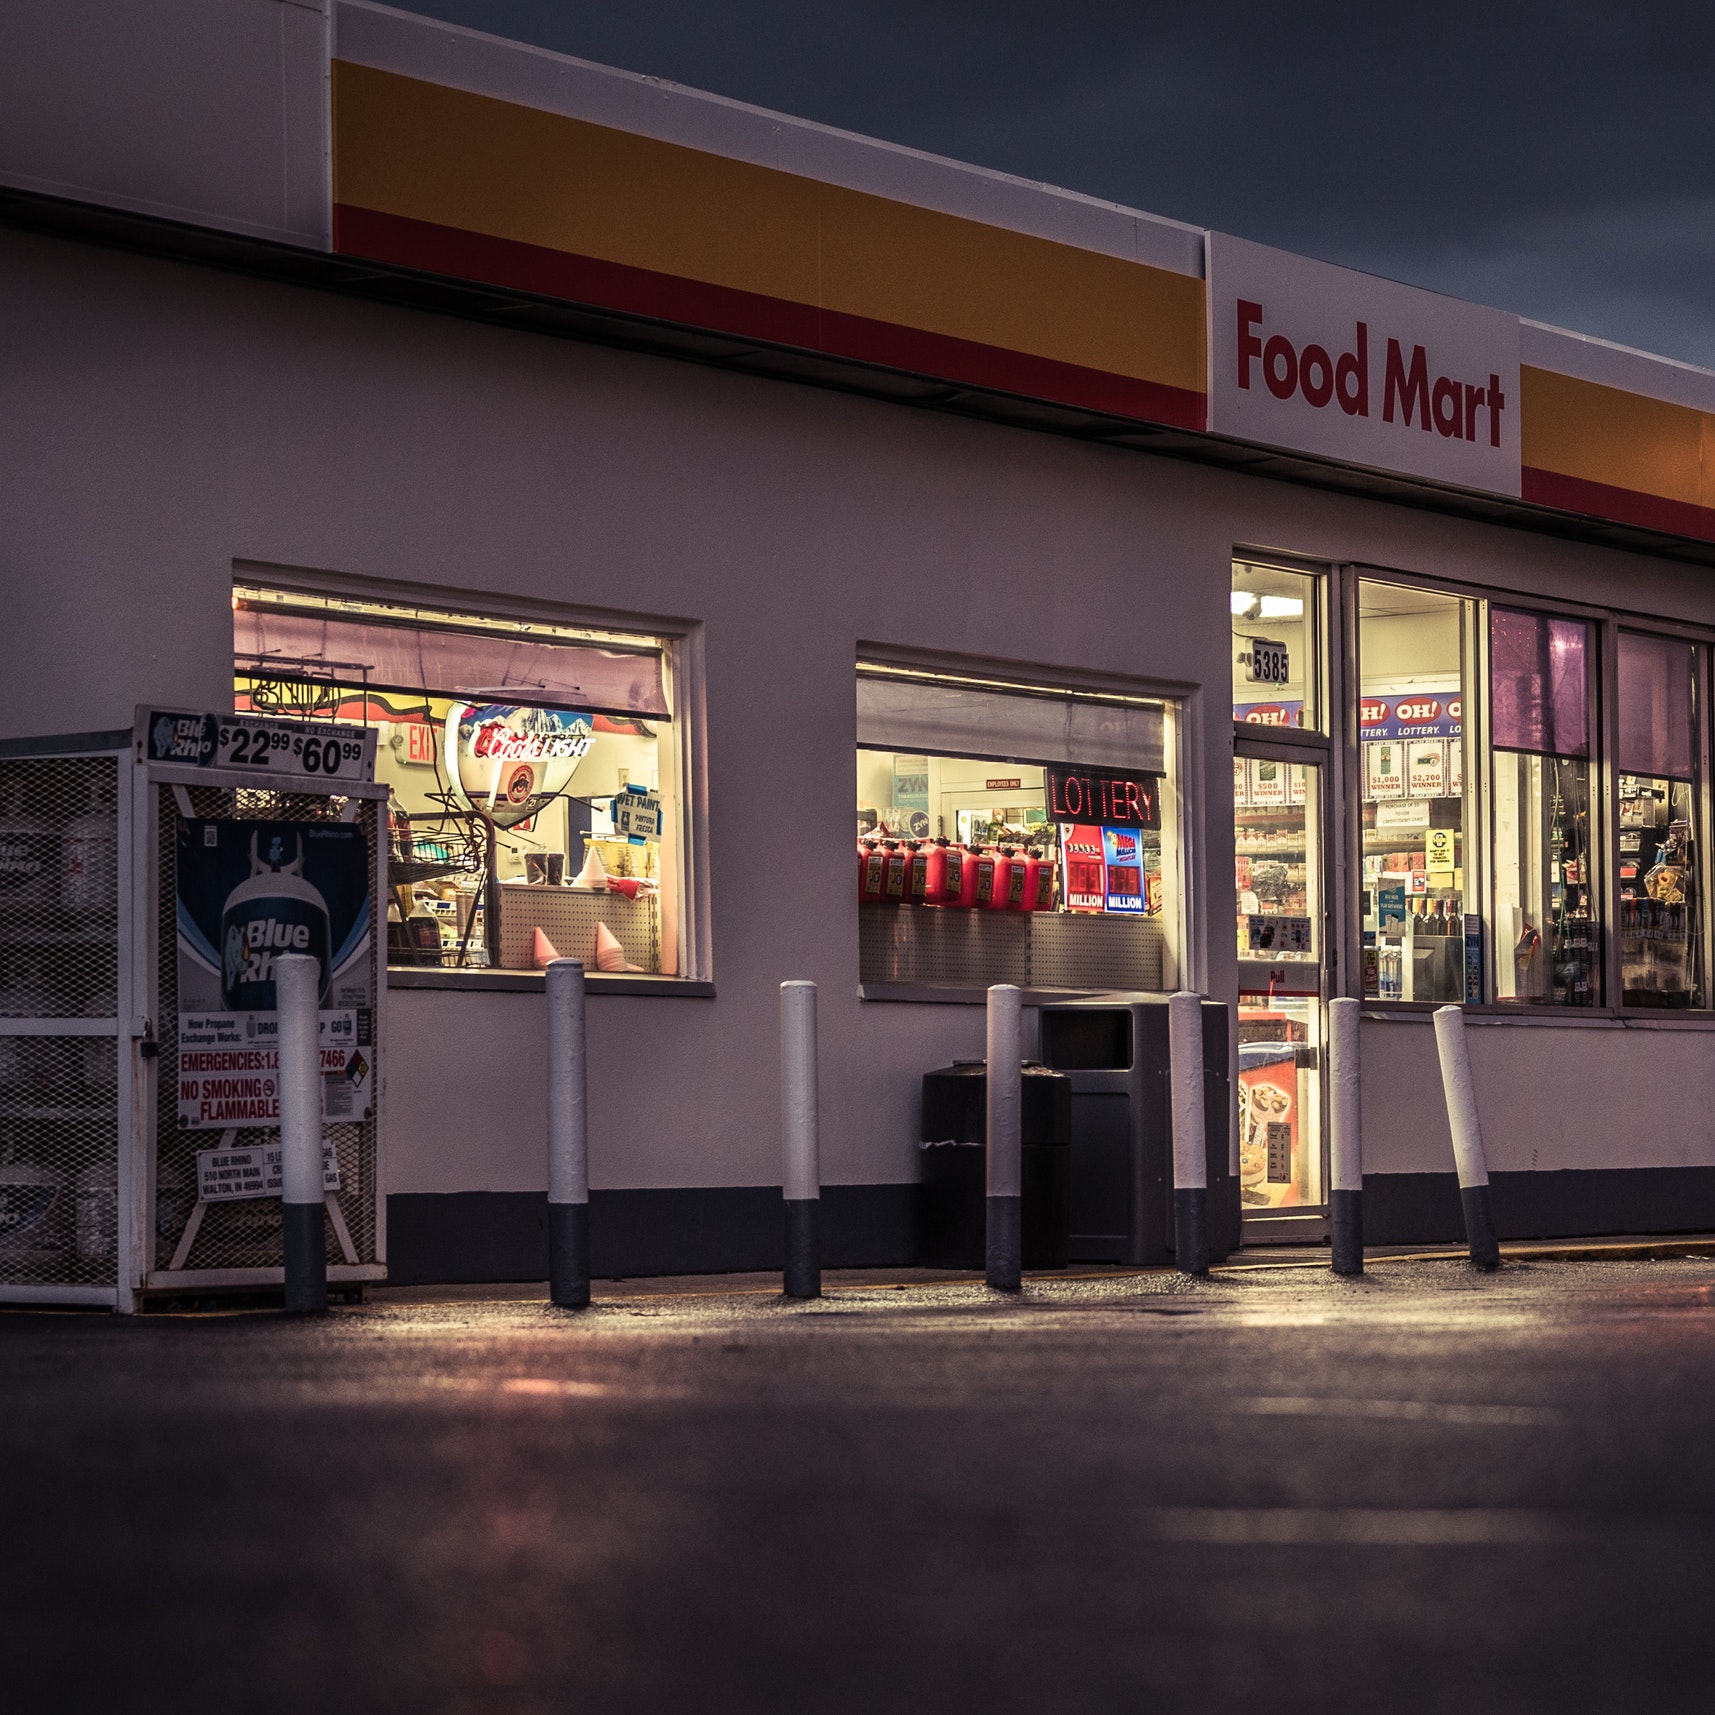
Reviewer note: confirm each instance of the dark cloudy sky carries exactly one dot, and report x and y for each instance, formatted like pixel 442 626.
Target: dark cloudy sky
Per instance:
pixel 1558 160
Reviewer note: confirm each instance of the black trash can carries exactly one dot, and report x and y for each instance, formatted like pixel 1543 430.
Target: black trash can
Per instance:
pixel 953 1189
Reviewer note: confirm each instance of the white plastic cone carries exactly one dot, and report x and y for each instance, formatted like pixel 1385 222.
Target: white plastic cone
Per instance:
pixel 592 878
pixel 609 955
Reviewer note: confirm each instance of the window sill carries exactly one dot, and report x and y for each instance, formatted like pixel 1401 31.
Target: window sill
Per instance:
pixel 927 994
pixel 1580 1018
pixel 533 982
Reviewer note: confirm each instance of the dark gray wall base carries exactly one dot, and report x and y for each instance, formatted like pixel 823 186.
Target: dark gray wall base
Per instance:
pixel 503 1235
pixel 1423 1208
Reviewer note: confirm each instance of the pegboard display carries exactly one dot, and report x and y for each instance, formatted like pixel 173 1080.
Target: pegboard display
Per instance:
pixel 569 917
pixel 974 949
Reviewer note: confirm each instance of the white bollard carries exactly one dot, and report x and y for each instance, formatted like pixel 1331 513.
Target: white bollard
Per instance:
pixel 1190 1133
pixel 1467 1133
pixel 297 1001
pixel 801 1172
pixel 1004 1086
pixel 568 1138
pixel 1345 1140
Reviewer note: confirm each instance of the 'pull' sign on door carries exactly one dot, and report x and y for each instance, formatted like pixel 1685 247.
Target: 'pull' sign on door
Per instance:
pixel 1104 796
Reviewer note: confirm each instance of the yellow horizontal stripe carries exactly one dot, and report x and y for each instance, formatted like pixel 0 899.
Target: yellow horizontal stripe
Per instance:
pixel 1602 434
pixel 423 151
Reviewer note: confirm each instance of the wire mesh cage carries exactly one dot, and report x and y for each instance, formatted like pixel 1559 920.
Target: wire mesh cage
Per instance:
pixel 243 1234
pixel 59 961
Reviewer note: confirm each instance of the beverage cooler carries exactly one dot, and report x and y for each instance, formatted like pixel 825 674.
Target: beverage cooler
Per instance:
pixel 147 880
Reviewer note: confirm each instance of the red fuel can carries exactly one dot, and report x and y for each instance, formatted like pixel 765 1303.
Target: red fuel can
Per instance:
pixel 872 872
pixel 1009 880
pixel 942 873
pixel 1039 882
pixel 916 873
pixel 898 872
pixel 988 898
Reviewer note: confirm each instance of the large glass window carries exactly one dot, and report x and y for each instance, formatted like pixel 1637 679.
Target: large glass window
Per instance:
pixel 1660 934
pixel 1012 835
pixel 1546 918
pixel 533 770
pixel 1412 763
pixel 1275 626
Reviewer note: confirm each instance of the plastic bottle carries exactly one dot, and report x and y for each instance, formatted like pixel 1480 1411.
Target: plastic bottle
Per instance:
pixel 89 857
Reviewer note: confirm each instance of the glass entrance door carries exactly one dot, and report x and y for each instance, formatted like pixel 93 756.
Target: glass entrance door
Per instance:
pixel 1279 886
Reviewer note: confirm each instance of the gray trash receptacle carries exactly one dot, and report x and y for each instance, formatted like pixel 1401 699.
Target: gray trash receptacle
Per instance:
pixel 1113 1048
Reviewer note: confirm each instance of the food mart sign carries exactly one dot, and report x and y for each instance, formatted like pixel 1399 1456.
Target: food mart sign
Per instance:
pixel 1316 359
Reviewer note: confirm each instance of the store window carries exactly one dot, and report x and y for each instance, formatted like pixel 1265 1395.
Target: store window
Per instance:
pixel 535 808
pixel 1546 921
pixel 1660 934
pixel 1416 795
pixel 1013 834
pixel 1275 666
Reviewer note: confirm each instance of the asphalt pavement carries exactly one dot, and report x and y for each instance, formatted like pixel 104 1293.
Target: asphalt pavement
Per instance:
pixel 1426 1490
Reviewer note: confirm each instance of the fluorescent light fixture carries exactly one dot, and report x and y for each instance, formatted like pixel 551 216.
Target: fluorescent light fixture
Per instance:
pixel 1281 607
pixel 1244 605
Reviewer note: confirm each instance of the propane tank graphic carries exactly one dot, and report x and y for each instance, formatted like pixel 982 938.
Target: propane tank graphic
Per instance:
pixel 275 911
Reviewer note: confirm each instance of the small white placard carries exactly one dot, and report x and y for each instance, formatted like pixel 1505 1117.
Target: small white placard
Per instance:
pixel 1414 813
pixel 226 1175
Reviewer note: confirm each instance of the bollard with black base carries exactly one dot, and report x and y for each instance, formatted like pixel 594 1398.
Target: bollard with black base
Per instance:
pixel 1467 1133
pixel 568 1139
pixel 1345 1141
pixel 297 992
pixel 1190 1146
pixel 1005 1096
pixel 801 1178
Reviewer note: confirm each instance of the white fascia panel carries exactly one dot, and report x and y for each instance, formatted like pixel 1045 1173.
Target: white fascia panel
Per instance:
pixel 401 42
pixel 1617 366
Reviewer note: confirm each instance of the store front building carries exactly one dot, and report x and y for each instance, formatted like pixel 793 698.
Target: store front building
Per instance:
pixel 662 482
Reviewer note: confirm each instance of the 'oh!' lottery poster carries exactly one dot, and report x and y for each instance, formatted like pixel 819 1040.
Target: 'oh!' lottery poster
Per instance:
pixel 247 892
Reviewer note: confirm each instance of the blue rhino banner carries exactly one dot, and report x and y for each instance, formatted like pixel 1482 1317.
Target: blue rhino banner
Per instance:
pixel 248 892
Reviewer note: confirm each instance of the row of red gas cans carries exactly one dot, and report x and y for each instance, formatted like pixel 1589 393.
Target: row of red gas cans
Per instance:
pixel 937 872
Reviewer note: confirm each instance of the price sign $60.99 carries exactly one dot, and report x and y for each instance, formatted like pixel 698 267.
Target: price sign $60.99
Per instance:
pixel 324 751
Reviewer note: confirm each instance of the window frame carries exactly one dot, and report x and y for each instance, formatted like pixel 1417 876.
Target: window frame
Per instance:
pixel 1607 623
pixel 1184 956
pixel 683 670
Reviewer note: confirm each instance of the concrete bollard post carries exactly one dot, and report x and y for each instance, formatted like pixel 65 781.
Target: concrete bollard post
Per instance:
pixel 1467 1135
pixel 1004 1131
pixel 297 990
pixel 1190 1143
pixel 801 1176
pixel 1345 1141
pixel 568 1139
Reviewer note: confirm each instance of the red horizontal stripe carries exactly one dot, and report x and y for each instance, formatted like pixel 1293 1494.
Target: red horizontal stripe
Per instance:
pixel 1622 505
pixel 752 315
